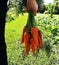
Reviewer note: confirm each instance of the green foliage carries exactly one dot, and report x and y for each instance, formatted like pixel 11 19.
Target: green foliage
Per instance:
pixel 50 9
pixel 50 27
pixel 11 3
pixel 47 47
pixel 56 6
pixel 20 7
pixel 53 8
pixel 10 16
pixel 16 51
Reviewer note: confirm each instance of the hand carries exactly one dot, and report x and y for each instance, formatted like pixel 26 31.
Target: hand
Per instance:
pixel 32 6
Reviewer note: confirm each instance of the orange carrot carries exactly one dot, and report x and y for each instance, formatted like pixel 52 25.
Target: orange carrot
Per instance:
pixel 40 39
pixel 24 30
pixel 34 32
pixel 34 39
pixel 33 45
pixel 27 43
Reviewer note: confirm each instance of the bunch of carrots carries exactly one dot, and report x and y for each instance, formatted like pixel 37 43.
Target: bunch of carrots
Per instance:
pixel 34 39
pixel 31 36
